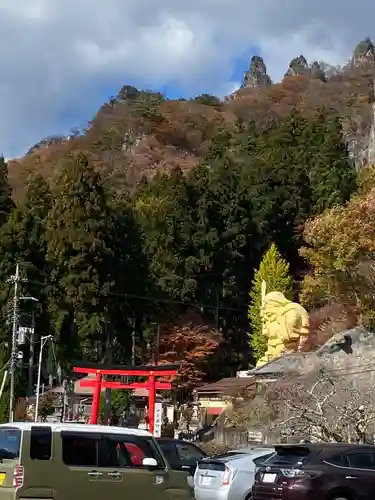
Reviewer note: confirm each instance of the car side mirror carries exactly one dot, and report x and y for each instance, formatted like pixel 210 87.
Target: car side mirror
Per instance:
pixel 149 462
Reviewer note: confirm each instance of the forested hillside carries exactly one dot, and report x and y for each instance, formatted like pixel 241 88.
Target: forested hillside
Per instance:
pixel 159 213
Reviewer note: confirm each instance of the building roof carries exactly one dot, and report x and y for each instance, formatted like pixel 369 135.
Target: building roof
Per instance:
pixel 76 427
pixel 226 386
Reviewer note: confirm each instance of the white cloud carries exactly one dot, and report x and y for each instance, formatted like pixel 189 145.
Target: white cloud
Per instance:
pixel 54 54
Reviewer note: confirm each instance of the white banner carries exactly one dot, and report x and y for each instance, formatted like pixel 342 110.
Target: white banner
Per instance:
pixel 158 419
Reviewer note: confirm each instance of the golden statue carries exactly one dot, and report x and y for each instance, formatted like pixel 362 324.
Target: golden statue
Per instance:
pixel 285 324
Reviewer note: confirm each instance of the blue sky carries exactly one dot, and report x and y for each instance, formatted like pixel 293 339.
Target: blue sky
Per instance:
pixel 61 60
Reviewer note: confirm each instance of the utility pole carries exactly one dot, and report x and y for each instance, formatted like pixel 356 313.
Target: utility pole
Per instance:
pixel 157 346
pixel 43 341
pixel 15 279
pixel 133 342
pixel 31 356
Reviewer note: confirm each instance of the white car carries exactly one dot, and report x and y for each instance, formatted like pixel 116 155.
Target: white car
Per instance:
pixel 229 476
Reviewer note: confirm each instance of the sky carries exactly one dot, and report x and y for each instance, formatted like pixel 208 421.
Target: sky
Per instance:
pixel 61 59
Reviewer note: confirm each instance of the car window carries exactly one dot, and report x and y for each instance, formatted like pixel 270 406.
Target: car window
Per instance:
pixel 41 443
pixel 170 451
pixel 259 460
pixel 127 451
pixel 80 449
pixel 340 460
pixel 10 441
pixel 289 456
pixel 362 460
pixel 188 453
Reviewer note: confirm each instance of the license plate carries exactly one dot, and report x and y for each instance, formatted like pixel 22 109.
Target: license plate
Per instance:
pixel 205 481
pixel 269 478
pixel 2 478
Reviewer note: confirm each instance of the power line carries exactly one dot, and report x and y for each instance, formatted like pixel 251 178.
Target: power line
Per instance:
pixel 160 299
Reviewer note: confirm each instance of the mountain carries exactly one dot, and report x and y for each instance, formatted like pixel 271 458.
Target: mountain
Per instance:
pixel 138 133
pixel 159 212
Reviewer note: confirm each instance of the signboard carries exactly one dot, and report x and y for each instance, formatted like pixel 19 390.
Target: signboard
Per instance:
pixel 158 419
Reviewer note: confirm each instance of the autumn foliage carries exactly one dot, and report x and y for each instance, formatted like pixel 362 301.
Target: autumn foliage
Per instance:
pixel 191 344
pixel 340 247
pixel 139 133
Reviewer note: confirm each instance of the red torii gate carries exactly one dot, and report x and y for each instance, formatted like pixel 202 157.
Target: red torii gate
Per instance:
pixel 151 372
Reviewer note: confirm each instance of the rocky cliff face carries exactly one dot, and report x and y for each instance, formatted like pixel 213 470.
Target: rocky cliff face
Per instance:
pixel 362 147
pixel 300 67
pixel 361 139
pixel 364 53
pixel 256 77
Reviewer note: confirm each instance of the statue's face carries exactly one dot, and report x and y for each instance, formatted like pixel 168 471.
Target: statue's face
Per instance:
pixel 269 315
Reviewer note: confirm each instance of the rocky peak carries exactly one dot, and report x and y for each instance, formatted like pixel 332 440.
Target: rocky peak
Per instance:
pixel 127 93
pixel 364 53
pixel 298 67
pixel 317 72
pixel 257 76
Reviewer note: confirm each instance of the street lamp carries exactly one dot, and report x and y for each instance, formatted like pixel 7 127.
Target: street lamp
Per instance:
pixel 34 299
pixel 43 341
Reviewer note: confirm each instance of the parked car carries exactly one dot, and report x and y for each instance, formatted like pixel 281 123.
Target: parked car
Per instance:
pixel 181 455
pixel 229 476
pixel 64 460
pixel 317 471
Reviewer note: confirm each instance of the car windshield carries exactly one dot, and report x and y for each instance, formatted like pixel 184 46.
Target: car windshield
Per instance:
pixel 10 441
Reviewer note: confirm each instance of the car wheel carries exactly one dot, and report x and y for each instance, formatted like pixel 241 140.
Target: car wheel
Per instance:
pixel 249 496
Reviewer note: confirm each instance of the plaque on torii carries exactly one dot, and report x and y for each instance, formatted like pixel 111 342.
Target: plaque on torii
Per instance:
pixel 152 385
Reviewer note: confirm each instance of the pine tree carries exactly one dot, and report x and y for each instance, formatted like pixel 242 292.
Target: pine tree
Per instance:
pixel 331 171
pixel 22 241
pixel 274 270
pixel 80 251
pixel 164 214
pixel 6 202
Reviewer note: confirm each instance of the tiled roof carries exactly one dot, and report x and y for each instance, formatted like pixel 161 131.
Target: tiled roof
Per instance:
pixel 226 386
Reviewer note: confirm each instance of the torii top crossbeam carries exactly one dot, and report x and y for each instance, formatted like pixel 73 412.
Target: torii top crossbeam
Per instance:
pixel 151 372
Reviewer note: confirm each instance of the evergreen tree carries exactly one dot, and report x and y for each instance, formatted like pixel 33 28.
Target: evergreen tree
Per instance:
pixel 223 239
pixel 81 239
pixel 22 237
pixel 22 241
pixel 274 270
pixel 6 202
pixel 331 171
pixel 279 184
pixel 164 213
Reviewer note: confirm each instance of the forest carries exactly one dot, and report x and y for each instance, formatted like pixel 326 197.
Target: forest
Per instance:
pixel 177 251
